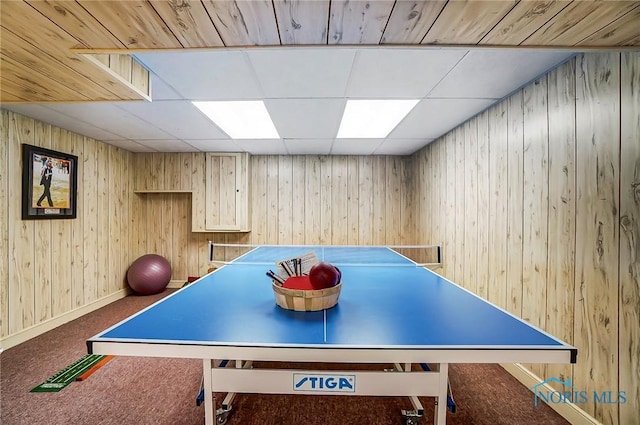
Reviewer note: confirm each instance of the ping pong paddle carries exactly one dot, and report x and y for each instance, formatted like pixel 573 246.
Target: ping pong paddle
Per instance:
pixel 275 277
pixel 298 282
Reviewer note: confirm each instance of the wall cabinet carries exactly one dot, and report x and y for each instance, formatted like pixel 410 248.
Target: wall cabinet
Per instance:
pixel 227 192
pixel 218 184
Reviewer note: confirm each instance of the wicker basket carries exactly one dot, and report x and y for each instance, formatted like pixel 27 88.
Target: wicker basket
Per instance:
pixel 301 300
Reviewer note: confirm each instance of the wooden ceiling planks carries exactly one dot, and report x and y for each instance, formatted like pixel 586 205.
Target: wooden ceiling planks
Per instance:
pixel 135 23
pixel 302 22
pixel 33 58
pixel 138 24
pixel 244 23
pixel 50 41
pixel 467 22
pixel 358 22
pixel 523 20
pixel 578 21
pixel 635 41
pixel 189 22
pixel 33 83
pixel 75 20
pixel 20 18
pixel 8 91
pixel 619 32
pixel 410 21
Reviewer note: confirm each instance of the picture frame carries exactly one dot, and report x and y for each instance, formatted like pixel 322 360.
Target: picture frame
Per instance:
pixel 49 184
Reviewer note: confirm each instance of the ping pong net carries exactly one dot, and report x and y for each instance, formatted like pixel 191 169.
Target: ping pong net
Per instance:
pixel 339 255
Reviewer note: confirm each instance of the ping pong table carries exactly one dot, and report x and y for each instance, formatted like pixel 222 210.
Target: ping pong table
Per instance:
pixel 390 311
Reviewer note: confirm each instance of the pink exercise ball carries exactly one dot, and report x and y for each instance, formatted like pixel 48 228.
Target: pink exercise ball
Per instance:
pixel 149 274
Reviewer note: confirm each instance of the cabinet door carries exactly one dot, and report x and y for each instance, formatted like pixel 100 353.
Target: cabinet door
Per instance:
pixel 226 192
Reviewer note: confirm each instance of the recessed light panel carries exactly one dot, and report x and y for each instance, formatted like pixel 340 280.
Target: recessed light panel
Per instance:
pixel 373 118
pixel 240 119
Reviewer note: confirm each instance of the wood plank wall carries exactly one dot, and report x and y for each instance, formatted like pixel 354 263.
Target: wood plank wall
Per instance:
pixel 162 222
pixel 302 199
pixel 629 301
pixel 52 267
pixel 335 200
pixel 553 216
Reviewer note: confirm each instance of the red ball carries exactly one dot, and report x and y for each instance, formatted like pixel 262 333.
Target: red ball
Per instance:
pixel 323 275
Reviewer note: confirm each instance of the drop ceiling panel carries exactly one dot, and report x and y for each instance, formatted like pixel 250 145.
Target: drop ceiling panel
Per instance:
pixel 401 146
pixel 130 145
pixel 306 118
pixel 308 146
pixel 68 122
pixel 302 73
pixel 214 145
pixel 178 118
pixel 355 146
pixel 263 146
pixel 496 73
pixel 431 118
pixel 400 73
pixel 205 74
pixel 161 90
pixel 109 116
pixel 168 145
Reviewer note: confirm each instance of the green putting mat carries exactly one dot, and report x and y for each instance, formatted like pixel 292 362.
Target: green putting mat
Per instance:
pixel 69 374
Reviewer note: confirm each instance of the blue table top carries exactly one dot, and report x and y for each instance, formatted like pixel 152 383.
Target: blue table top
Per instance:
pixel 381 305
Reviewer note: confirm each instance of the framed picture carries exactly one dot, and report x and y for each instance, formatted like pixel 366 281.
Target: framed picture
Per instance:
pixel 49 183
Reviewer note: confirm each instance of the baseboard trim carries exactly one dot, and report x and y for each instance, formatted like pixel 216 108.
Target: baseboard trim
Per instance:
pixel 176 284
pixel 36 330
pixel 569 411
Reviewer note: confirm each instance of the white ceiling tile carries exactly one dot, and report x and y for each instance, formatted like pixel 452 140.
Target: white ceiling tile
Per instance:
pixel 355 146
pixel 130 145
pixel 214 145
pixel 308 146
pixel 108 115
pixel 178 118
pixel 431 118
pixel 302 72
pixel 205 74
pixel 263 146
pixel 306 118
pixel 168 145
pixel 401 146
pixel 496 73
pixel 45 114
pixel 32 110
pixel 400 73
pixel 161 90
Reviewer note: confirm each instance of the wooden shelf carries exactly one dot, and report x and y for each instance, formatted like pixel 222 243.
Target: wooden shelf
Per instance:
pixel 164 191
pixel 220 231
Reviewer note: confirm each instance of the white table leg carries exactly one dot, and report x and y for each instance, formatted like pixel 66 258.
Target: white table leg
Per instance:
pixel 440 416
pixel 209 407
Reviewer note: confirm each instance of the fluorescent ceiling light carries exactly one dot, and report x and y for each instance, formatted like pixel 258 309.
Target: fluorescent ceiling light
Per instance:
pixel 240 119
pixel 373 118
